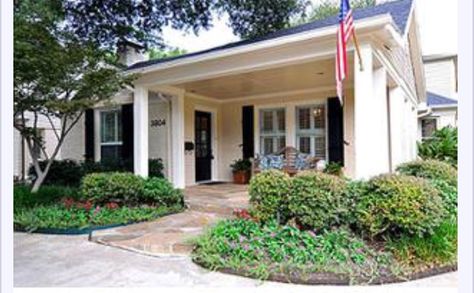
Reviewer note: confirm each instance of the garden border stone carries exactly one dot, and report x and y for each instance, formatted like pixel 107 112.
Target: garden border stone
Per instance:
pixel 328 278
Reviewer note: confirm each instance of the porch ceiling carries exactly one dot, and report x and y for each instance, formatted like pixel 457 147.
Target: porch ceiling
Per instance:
pixel 295 77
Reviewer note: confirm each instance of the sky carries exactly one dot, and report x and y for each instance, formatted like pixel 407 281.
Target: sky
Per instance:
pixel 437 20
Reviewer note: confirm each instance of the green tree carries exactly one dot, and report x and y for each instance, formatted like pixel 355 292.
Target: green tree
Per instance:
pixel 330 8
pixel 56 77
pixel 109 21
pixel 155 53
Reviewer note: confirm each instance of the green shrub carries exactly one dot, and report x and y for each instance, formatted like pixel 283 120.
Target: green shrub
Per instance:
pixel 70 173
pixel 61 172
pixel 268 195
pixel 443 146
pixel 317 200
pixel 121 188
pixel 354 191
pixel 430 169
pixel 399 204
pixel 160 191
pixel 441 175
pixel 155 168
pixel 333 168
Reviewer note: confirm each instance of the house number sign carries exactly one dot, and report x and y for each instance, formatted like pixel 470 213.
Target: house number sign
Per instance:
pixel 158 122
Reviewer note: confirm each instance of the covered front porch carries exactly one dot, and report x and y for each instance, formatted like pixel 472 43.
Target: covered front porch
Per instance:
pixel 218 106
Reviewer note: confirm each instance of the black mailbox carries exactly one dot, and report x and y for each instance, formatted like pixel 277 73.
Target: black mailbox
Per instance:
pixel 188 146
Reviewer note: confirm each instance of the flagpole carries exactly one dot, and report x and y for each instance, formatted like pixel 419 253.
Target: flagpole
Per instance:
pixel 356 44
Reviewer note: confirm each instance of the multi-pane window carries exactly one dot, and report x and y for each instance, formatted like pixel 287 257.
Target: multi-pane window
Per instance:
pixel 311 130
pixel 111 134
pixel 428 127
pixel 272 130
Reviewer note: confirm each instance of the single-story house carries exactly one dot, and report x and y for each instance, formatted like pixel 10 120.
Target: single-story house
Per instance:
pixel 201 111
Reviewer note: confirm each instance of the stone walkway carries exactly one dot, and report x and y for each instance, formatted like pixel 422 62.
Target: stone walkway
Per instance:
pixel 171 235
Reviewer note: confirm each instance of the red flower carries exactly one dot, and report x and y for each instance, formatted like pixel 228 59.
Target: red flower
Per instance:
pixel 112 205
pixel 242 214
pixel 68 202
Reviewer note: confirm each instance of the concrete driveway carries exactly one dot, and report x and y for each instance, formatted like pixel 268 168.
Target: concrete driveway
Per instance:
pixel 72 261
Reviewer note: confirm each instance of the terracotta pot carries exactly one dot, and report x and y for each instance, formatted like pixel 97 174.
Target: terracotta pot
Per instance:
pixel 241 177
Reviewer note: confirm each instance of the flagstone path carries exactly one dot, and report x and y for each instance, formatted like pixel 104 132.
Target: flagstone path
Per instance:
pixel 171 235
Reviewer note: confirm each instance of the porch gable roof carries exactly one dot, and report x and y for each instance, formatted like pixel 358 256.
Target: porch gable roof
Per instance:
pixel 398 10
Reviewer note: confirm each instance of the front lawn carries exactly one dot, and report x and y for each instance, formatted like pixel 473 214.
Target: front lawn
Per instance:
pixel 321 229
pixel 102 200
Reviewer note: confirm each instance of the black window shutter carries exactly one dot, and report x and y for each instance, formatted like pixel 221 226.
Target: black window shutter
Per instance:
pixel 247 132
pixel 335 131
pixel 127 133
pixel 89 135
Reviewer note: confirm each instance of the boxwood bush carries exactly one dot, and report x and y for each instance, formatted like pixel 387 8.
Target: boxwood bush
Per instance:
pixel 160 191
pixel 317 200
pixel 268 193
pixel 441 175
pixel 70 173
pixel 399 204
pixel 121 188
pixel 430 169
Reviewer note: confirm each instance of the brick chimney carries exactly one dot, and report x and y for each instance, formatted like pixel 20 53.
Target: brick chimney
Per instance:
pixel 130 53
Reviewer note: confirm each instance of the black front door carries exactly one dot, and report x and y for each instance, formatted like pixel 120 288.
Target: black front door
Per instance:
pixel 203 150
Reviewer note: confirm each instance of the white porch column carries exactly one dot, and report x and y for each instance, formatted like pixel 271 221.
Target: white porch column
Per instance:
pixel 140 131
pixel 370 117
pixel 177 140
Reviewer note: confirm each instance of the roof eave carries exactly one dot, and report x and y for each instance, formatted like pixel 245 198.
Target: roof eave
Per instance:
pixel 383 21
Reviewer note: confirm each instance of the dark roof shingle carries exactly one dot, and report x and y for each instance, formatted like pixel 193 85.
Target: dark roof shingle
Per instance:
pixel 437 100
pixel 399 10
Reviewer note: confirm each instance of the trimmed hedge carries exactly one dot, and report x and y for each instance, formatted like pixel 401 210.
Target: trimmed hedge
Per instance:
pixel 441 175
pixel 430 169
pixel 70 173
pixel 268 193
pixel 121 188
pixel 399 204
pixel 129 189
pixel 317 200
pixel 161 191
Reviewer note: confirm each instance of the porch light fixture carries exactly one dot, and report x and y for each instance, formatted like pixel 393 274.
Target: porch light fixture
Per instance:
pixel 317 112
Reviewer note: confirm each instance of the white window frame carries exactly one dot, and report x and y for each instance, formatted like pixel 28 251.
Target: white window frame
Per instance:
pixel 276 134
pixel 117 129
pixel 312 132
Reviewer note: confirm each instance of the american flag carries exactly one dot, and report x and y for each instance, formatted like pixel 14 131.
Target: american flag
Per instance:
pixel 345 31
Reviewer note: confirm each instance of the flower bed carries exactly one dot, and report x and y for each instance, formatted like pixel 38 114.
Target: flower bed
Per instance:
pixel 105 200
pixel 391 228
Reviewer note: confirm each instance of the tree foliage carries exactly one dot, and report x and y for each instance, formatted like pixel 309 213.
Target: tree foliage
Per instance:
pixel 443 146
pixel 56 77
pixel 330 8
pixel 109 21
pixel 155 53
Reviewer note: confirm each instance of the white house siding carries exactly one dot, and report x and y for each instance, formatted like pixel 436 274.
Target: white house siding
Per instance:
pixel 441 77
pixel 404 130
pixel 158 135
pixel 17 143
pixel 74 144
pixel 49 139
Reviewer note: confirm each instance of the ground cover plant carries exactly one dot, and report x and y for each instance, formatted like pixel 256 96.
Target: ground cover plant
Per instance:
pixel 103 199
pixel 388 228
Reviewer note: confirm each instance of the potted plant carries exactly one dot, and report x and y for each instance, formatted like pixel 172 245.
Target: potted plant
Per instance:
pixel 241 171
